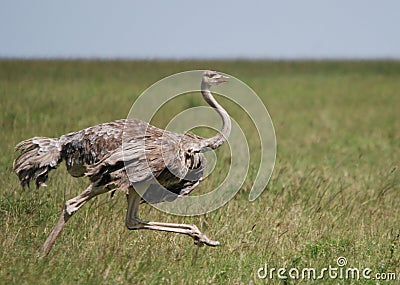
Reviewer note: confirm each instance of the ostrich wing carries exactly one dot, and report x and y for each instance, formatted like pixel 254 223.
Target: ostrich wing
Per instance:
pixel 143 153
pixel 149 153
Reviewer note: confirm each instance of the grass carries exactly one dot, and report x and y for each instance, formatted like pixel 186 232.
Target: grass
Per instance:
pixel 334 191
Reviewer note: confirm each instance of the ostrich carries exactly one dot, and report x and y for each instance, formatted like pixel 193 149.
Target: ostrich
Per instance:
pixel 160 164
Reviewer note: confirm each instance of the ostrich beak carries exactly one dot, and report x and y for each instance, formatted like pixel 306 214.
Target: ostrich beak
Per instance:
pixel 223 78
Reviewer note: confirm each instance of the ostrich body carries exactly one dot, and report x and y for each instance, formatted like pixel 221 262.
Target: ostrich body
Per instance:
pixel 129 155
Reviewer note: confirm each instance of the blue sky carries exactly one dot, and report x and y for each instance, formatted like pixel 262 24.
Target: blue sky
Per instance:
pixel 285 29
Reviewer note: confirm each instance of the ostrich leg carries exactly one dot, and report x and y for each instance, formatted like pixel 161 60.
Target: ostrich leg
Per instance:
pixel 133 222
pixel 70 207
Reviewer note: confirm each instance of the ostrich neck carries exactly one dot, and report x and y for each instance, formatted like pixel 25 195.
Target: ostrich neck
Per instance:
pixel 223 134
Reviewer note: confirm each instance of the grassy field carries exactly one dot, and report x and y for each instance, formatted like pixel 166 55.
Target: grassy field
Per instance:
pixel 334 191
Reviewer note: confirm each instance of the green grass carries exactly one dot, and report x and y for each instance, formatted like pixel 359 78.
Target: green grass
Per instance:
pixel 334 191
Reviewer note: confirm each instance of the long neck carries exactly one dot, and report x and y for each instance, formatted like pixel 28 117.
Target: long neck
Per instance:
pixel 223 134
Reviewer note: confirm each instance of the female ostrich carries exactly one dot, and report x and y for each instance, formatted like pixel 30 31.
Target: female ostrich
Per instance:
pixel 130 155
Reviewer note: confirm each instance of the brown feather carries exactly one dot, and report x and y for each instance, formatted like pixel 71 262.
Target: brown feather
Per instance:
pixel 116 154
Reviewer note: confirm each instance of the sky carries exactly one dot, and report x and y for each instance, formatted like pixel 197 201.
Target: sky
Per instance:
pixel 183 29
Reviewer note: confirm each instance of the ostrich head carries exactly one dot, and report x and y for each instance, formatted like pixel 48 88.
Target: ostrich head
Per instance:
pixel 212 78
